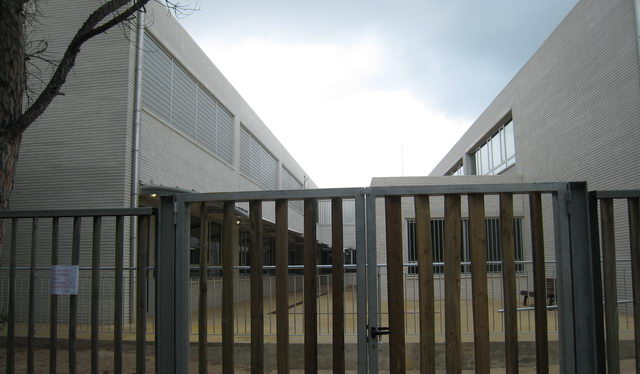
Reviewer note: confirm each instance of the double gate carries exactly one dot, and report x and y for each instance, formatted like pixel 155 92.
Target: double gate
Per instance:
pixel 556 215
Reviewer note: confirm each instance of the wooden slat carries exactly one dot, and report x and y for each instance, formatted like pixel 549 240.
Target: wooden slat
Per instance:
pixel 118 305
pixel 11 330
pixel 53 323
pixel 229 251
pixel 395 275
pixel 144 229
pixel 73 299
pixel 257 308
pixel 539 283
pixel 634 241
pixel 95 295
pixel 310 288
pixel 610 288
pixel 452 249
pixel 509 283
pixel 478 247
pixel 424 251
pixel 202 306
pixel 31 325
pixel 337 285
pixel 282 289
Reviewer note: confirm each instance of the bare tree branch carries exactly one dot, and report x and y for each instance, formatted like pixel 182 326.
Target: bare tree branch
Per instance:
pixel 89 29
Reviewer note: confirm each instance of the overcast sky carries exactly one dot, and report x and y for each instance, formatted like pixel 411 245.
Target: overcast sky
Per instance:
pixel 357 89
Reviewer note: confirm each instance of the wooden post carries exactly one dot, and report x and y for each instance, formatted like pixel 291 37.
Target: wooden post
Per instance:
pixel 95 295
pixel 282 289
pixel 634 241
pixel 509 283
pixel 144 223
pixel 539 283
pixel 229 245
pixel 478 244
pixel 424 251
pixel 310 288
pixel 610 287
pixel 118 305
pixel 53 323
pixel 452 249
pixel 395 274
pixel 11 330
pixel 202 306
pixel 337 285
pixel 257 311
pixel 31 328
pixel 73 299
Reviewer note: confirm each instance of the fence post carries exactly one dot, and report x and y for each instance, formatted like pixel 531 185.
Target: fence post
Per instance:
pixel 172 286
pixel 580 297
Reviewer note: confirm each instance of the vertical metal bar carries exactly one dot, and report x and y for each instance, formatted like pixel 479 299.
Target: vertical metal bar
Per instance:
pixel 589 319
pixel 257 308
pixel 202 307
pixel 282 292
pixel 634 242
pixel 118 319
pixel 337 270
pixel 393 221
pixel 182 284
pixel 310 287
pixel 610 288
pixel 165 287
pixel 478 248
pixel 31 328
pixel 424 252
pixel 452 247
pixel 53 323
pixel 509 283
pixel 95 295
pixel 361 281
pixel 539 282
pixel 566 334
pixel 229 245
pixel 73 299
pixel 144 223
pixel 11 331
pixel 372 283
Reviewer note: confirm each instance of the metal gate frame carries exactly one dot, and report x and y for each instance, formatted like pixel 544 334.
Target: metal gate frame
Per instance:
pixel 581 329
pixel 579 302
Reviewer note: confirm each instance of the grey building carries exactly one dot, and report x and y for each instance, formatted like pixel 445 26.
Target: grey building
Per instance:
pixel 144 109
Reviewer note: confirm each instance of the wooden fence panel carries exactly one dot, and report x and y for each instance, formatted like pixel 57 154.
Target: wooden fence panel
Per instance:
pixel 424 252
pixel 509 283
pixel 310 287
pixel 282 289
pixel 478 244
pixel 337 271
pixel 539 283
pixel 257 311
pixel 452 248
pixel 229 252
pixel 395 275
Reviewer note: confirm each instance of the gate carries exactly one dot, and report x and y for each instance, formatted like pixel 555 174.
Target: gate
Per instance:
pixel 411 243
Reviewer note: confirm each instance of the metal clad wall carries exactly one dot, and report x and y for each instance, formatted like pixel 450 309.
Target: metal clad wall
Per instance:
pixel 155 85
pixel 256 162
pixel 170 93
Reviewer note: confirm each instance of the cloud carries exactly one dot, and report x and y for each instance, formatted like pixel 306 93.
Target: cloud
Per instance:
pixel 324 103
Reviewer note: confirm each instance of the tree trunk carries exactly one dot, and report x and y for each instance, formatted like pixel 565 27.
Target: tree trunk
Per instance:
pixel 12 91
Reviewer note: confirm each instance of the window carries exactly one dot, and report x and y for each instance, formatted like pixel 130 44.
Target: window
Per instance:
pixel 497 153
pixel 289 182
pixel 457 170
pixel 494 251
pixel 174 96
pixel 256 163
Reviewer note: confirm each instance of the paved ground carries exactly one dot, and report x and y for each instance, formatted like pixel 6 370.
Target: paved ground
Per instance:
pixel 41 364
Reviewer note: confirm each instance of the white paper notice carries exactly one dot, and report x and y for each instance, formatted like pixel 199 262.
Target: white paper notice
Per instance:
pixel 64 279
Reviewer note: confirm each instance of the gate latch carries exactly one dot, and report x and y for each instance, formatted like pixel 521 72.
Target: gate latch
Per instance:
pixel 377 331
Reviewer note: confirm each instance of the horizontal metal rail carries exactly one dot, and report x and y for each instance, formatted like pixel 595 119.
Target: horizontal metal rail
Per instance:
pixel 245 196
pixel 463 189
pixel 619 194
pixel 50 213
